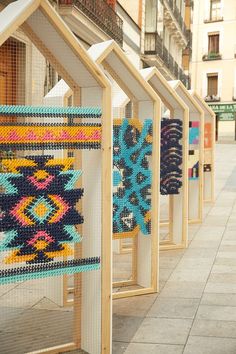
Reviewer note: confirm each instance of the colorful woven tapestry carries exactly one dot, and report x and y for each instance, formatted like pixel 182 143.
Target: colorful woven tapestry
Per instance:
pixel 46 136
pixel 39 217
pixel 193 164
pixel 194 133
pixel 208 136
pixel 171 156
pixel 39 196
pixel 132 141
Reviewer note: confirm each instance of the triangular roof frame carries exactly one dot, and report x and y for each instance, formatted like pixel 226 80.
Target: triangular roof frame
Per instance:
pixel 167 94
pixel 206 108
pixel 113 59
pixel 37 18
pixel 193 106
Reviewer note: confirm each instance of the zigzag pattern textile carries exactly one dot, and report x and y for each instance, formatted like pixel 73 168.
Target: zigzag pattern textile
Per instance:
pixel 132 176
pixel 171 156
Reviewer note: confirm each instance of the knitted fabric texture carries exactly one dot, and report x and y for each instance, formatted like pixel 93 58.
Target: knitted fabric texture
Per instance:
pixel 50 136
pixel 132 145
pixel 194 133
pixel 193 164
pixel 171 156
pixel 193 158
pixel 38 194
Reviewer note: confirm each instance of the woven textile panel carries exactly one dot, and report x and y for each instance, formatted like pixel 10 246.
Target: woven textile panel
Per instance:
pixel 132 144
pixel 171 156
pixel 39 194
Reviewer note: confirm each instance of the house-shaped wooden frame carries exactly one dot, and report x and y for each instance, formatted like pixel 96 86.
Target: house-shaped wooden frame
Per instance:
pixel 195 184
pixel 209 148
pixel 47 31
pixel 178 204
pixel 146 104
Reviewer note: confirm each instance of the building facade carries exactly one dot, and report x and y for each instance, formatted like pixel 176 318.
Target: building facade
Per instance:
pixel 167 37
pixel 214 59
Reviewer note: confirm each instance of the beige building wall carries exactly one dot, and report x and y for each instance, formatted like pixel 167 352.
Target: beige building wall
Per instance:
pixel 226 67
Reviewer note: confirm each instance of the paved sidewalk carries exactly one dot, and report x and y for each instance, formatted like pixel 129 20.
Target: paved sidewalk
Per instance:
pixel 195 311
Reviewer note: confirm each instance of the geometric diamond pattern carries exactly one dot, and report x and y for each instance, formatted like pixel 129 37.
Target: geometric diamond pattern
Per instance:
pixel 39 214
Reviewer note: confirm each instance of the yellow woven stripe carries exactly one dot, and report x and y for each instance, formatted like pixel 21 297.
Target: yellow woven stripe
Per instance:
pixel 46 134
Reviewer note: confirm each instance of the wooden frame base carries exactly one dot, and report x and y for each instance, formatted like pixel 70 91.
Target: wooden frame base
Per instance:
pixel 130 293
pixel 57 349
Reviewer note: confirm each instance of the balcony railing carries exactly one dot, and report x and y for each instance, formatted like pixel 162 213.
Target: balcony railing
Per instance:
pixel 212 98
pixel 213 19
pixel 154 46
pixel 212 56
pixel 101 14
pixel 176 12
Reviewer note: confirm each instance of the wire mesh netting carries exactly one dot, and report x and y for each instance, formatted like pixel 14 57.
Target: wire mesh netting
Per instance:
pixel 50 208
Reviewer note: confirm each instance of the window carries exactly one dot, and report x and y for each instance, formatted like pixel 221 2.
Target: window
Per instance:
pixel 213 43
pixel 212 84
pixel 151 16
pixel 215 9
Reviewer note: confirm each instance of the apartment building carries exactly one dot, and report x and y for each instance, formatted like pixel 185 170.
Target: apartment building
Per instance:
pixel 166 38
pixel 214 60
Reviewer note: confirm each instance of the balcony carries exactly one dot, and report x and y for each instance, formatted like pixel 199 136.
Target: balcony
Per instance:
pixel 175 22
pixel 99 12
pixel 214 19
pixel 154 47
pixel 212 98
pixel 211 56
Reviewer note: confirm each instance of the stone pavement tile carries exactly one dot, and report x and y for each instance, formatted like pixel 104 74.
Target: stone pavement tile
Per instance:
pixel 227 248
pixel 228 242
pixel 220 210
pixel 137 306
pixel 168 262
pixel 214 328
pixel 183 289
pixel 21 298
pixel 125 327
pixel 163 330
pixel 210 232
pixel 172 253
pixel 199 253
pixel 140 348
pixel 220 288
pixel 227 254
pixel 216 220
pixel 218 299
pixel 174 308
pixel 210 345
pixel 218 313
pixel 190 275
pixel 119 347
pixel 37 329
pixel 4 289
pixel 8 315
pixel 196 243
pixel 223 269
pixel 229 235
pixel 164 273
pixel 225 261
pixel 222 278
pixel 195 263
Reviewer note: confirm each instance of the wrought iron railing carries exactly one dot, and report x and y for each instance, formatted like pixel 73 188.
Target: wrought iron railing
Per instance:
pixel 154 46
pixel 102 14
pixel 176 12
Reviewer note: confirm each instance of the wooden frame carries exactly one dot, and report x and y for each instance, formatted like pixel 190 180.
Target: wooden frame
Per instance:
pixel 146 103
pixel 22 14
pixel 195 186
pixel 209 152
pixel 177 222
